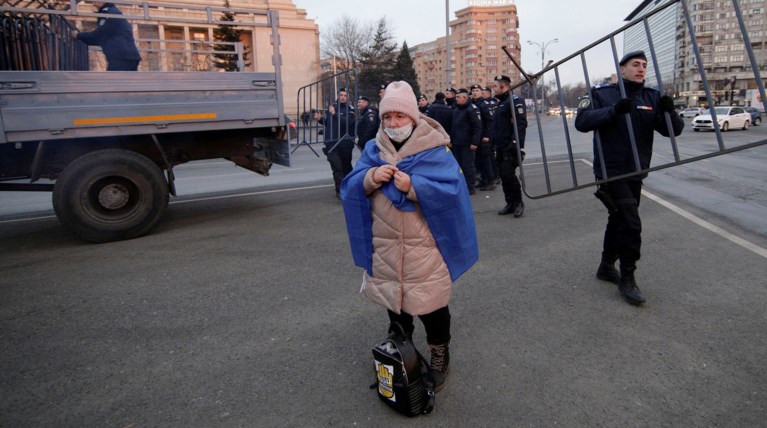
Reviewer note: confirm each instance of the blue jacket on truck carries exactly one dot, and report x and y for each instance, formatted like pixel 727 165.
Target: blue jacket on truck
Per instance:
pixel 597 113
pixel 114 35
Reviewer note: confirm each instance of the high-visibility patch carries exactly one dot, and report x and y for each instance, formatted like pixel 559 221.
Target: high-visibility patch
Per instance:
pixel 584 103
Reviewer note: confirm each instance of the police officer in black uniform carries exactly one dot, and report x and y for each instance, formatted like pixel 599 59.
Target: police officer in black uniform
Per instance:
pixel 339 121
pixel 450 96
pixel 506 144
pixel 466 135
pixel 439 111
pixel 423 104
pixel 486 143
pixel 115 36
pixel 604 112
pixel 487 94
pixel 368 122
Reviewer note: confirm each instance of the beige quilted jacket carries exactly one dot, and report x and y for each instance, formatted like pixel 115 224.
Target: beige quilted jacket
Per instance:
pixel 409 273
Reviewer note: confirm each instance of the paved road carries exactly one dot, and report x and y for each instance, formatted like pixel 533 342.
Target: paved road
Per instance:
pixel 241 309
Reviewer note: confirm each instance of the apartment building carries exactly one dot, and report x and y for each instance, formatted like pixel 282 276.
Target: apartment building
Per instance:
pixel 723 52
pixel 720 42
pixel 476 36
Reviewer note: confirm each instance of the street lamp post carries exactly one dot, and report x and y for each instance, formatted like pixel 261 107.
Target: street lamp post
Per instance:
pixel 543 46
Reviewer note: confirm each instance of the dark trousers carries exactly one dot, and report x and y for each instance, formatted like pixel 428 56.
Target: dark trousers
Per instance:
pixel 464 155
pixel 436 324
pixel 484 165
pixel 340 160
pixel 623 234
pixel 507 168
pixel 123 65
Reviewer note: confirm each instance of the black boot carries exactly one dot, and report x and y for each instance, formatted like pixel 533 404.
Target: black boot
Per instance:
pixel 519 209
pixel 438 366
pixel 508 209
pixel 607 271
pixel 628 287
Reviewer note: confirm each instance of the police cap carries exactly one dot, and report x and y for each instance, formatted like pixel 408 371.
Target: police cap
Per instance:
pixel 342 89
pixel 451 90
pixel 476 86
pixel 364 98
pixel 422 97
pixel 462 91
pixel 502 78
pixel 631 55
pixel 487 89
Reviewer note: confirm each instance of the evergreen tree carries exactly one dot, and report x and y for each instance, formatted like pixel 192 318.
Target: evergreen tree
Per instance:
pixel 377 61
pixel 404 70
pixel 227 33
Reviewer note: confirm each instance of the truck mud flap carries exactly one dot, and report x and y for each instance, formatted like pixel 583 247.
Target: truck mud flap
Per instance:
pixel 557 167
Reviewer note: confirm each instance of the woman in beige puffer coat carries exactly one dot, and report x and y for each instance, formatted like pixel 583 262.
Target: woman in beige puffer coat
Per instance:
pixel 405 190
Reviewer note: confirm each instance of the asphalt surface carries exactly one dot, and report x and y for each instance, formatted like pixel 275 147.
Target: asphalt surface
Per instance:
pixel 242 309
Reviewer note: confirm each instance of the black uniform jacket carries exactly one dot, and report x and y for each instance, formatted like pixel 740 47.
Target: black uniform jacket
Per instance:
pixel 486 110
pixel 114 35
pixel 467 125
pixel 442 114
pixel 504 127
pixel 597 113
pixel 367 125
pixel 338 125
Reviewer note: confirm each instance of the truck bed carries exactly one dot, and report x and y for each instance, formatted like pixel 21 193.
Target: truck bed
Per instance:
pixel 79 104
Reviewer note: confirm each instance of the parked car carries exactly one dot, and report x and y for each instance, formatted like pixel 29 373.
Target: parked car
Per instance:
pixel 692 112
pixel 728 117
pixel 756 115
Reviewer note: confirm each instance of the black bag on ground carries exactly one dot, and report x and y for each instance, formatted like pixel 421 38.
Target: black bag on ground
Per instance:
pixel 400 372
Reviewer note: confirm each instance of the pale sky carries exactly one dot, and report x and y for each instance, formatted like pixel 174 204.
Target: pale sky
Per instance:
pixel 575 23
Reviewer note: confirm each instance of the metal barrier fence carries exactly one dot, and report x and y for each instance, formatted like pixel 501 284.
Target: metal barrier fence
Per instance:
pixel 314 100
pixel 643 21
pixel 36 35
pixel 39 42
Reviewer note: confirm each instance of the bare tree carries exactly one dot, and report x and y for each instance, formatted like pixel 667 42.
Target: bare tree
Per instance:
pixel 347 39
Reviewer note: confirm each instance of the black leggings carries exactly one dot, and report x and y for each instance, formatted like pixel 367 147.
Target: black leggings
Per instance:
pixel 436 324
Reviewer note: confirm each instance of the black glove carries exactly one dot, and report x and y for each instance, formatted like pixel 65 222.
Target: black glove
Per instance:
pixel 624 106
pixel 666 103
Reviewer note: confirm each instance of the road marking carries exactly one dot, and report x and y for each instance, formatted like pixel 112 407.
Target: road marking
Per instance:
pixel 703 223
pixel 27 219
pixel 238 195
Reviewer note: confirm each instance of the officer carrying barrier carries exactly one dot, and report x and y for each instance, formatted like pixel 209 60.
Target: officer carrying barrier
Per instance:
pixel 317 97
pixel 542 184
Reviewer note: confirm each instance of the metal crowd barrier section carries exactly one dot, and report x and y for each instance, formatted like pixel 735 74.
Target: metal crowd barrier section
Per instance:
pixel 39 41
pixel 313 101
pixel 546 164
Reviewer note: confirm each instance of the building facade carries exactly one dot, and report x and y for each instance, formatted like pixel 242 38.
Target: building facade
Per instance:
pixel 476 36
pixel 663 34
pixel 723 52
pixel 174 45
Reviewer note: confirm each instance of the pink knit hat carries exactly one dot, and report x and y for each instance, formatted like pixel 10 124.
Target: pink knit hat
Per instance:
pixel 399 97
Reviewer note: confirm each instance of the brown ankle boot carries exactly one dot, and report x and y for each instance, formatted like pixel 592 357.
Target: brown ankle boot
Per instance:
pixel 438 366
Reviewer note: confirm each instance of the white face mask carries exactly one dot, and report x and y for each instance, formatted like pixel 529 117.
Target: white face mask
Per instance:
pixel 399 134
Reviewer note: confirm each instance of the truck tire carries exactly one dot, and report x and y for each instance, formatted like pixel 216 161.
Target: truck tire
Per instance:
pixel 110 195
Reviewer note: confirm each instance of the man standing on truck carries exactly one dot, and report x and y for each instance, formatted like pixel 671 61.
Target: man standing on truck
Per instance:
pixel 339 121
pixel 115 37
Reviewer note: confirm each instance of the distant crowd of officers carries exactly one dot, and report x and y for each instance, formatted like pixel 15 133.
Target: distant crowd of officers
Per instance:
pixel 487 134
